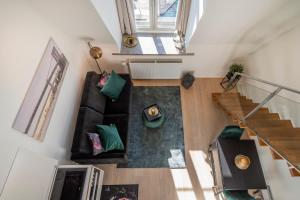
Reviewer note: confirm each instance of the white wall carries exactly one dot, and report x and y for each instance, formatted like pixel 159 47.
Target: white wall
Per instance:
pixel 26 166
pixel 78 18
pixel 278 61
pixel 109 14
pixel 23 37
pixel 283 185
pixel 227 22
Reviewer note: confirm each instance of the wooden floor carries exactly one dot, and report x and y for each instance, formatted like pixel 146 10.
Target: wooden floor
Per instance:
pixel 202 120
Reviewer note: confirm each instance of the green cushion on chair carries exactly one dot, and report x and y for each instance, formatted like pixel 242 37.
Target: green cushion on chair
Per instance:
pixel 109 137
pixel 237 195
pixel 232 132
pixel 114 86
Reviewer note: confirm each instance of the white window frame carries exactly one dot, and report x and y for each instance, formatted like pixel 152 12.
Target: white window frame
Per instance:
pixel 153 20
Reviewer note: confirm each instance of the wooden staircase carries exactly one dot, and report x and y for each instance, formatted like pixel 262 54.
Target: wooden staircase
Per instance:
pixel 277 134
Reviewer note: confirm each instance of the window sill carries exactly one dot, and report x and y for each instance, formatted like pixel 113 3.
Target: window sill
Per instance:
pixel 152 44
pixel 155 32
pixel 147 54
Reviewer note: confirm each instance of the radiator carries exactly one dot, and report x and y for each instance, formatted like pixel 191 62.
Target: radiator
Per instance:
pixel 155 68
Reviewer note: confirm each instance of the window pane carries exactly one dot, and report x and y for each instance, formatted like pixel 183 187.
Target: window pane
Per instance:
pixel 167 11
pixel 142 13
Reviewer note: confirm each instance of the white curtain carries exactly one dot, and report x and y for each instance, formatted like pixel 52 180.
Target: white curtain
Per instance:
pixel 182 21
pixel 126 16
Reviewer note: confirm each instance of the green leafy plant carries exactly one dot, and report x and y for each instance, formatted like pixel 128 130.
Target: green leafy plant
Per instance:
pixel 236 68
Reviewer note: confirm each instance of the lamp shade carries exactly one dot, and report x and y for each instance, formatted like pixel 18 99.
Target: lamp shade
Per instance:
pixel 96 52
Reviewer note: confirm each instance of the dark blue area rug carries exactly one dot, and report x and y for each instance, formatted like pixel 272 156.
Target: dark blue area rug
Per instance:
pixel 162 147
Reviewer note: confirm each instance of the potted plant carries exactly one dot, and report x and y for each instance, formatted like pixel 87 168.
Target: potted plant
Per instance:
pixel 232 70
pixel 235 68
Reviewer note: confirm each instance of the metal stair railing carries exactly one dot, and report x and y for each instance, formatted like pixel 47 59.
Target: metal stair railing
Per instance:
pixel 267 99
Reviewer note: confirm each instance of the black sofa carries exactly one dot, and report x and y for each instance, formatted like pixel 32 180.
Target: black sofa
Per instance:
pixel 95 108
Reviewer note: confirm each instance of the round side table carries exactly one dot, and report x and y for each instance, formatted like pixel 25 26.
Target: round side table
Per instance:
pixel 155 123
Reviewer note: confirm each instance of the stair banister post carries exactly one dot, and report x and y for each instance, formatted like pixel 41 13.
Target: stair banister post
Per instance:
pixel 266 100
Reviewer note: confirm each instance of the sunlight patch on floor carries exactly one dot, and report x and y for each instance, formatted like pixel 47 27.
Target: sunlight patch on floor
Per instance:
pixel 186 195
pixel 183 184
pixel 203 171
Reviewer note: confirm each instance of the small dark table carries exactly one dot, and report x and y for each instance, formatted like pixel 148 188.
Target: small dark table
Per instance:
pixel 150 117
pixel 227 175
pixel 153 121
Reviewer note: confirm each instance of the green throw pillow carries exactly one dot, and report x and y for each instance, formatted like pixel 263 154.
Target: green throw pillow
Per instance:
pixel 109 137
pixel 237 195
pixel 232 132
pixel 114 86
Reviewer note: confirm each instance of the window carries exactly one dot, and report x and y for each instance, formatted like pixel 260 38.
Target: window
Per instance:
pixel 155 15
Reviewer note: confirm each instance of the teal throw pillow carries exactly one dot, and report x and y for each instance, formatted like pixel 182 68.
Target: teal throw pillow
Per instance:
pixel 110 138
pixel 232 132
pixel 114 86
pixel 237 195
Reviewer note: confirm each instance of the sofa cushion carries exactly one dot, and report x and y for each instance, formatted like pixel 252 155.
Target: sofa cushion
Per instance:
pixel 86 123
pixel 121 121
pixel 91 96
pixel 122 105
pixel 110 137
pixel 237 195
pixel 232 132
pixel 114 86
pixel 103 79
pixel 95 143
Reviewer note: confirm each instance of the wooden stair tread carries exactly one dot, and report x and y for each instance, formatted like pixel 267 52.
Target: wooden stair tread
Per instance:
pixel 268 116
pixel 238 104
pixel 242 113
pixel 280 135
pixel 278 132
pixel 289 149
pixel 242 107
pixel 294 172
pixel 233 98
pixel 285 143
pixel 228 96
pixel 292 156
pixel 247 110
pixel 260 111
pixel 261 123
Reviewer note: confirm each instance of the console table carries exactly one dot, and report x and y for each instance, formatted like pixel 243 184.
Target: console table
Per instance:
pixel 226 174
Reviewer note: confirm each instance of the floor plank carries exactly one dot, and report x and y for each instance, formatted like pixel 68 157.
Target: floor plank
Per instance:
pixel 202 121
